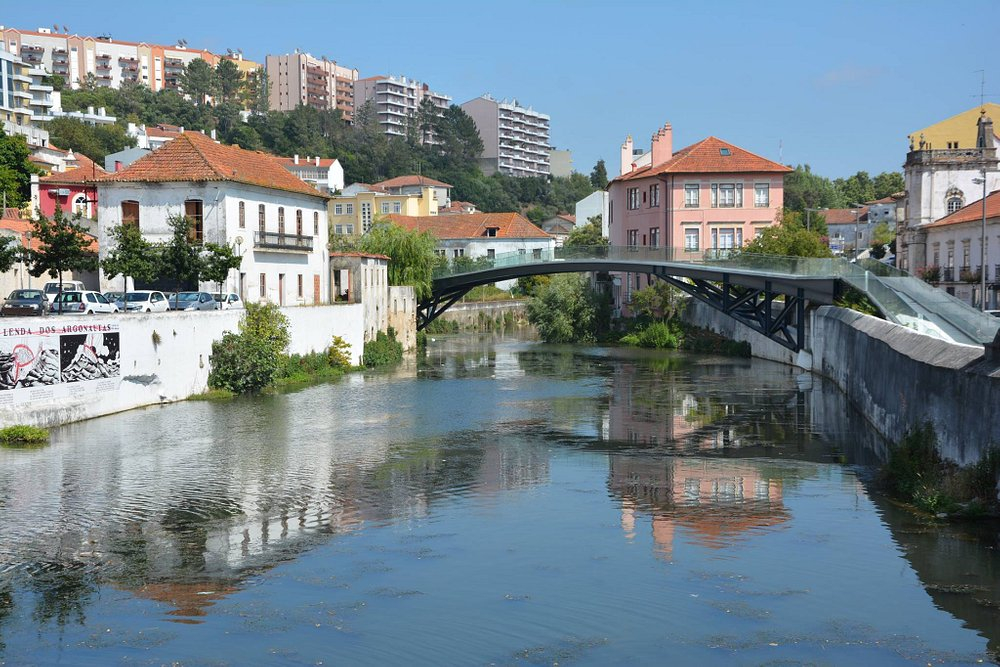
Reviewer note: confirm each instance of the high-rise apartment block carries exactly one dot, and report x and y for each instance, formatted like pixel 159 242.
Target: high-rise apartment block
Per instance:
pixel 111 62
pixel 24 99
pixel 299 78
pixel 515 138
pixel 397 102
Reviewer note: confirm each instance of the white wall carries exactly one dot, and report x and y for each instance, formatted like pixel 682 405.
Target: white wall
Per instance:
pixel 171 370
pixel 596 203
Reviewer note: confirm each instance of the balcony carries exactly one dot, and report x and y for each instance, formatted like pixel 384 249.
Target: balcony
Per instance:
pixel 947 274
pixel 274 241
pixel 30 48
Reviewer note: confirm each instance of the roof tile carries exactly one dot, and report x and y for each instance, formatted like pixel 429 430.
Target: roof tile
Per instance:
pixel 471 225
pixel 706 157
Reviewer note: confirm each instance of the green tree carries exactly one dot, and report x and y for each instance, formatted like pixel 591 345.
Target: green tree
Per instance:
pixel 588 235
pixel 63 245
pixel 658 299
pixel 599 176
pixel 199 81
pixel 94 141
pixel 248 361
pixel 179 256
pixel 460 144
pixel 255 91
pixel 812 220
pixel 11 251
pixel 856 189
pixel 411 254
pixel 131 256
pixel 804 189
pixel 888 183
pixel 789 239
pixel 229 80
pixel 218 261
pixel 15 170
pixel 567 310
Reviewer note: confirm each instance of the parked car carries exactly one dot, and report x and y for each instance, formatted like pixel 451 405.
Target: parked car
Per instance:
pixel 228 300
pixel 994 313
pixel 146 301
pixel 115 297
pixel 25 302
pixel 51 288
pixel 193 301
pixel 85 302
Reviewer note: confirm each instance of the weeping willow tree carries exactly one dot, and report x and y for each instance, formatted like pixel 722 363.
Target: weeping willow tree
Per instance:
pixel 411 254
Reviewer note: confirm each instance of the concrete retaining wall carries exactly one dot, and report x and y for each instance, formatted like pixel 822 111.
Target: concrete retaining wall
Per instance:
pixel 467 313
pixel 158 357
pixel 895 376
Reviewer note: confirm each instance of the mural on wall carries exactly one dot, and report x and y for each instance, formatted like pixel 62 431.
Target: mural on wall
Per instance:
pixel 47 361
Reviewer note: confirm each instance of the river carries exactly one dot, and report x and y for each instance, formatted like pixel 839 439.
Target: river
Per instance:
pixel 501 502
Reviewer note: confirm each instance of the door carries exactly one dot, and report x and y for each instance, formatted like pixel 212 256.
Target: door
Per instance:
pixel 316 293
pixel 281 289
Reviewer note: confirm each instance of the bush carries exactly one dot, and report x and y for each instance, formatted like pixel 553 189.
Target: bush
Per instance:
pixel 266 323
pixel 21 435
pixel 242 364
pixel 385 350
pixel 567 310
pixel 339 354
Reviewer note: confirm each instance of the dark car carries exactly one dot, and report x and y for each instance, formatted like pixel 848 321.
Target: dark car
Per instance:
pixel 193 301
pixel 25 302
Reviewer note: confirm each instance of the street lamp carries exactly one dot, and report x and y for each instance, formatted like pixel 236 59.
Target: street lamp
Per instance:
pixel 811 210
pixel 982 245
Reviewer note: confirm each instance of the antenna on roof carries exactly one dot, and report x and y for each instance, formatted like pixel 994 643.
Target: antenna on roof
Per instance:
pixel 982 88
pixel 66 30
pixel 55 27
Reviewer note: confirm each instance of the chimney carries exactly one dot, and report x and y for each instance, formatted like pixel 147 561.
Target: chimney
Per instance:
pixel 90 111
pixel 317 160
pixel 212 135
pixel 182 129
pixel 663 145
pixel 626 163
pixel 118 165
pixel 295 159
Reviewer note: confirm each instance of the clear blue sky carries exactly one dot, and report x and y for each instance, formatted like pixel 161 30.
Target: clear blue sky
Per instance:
pixel 838 85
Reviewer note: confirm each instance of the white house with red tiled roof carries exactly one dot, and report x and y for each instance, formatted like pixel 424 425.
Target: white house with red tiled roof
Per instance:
pixel 709 195
pixel 242 198
pixel 324 174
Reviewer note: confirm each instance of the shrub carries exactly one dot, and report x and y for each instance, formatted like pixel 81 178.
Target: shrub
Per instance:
pixel 266 323
pixel 21 435
pixel 339 354
pixel 242 364
pixel 385 350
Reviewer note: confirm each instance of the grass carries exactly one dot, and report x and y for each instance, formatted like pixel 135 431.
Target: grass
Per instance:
pixel 675 334
pixel 23 436
pixel 212 395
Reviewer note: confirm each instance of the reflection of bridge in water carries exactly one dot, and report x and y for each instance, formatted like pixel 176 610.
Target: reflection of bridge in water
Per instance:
pixel 769 294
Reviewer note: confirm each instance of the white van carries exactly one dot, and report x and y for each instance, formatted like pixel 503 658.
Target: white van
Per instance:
pixel 51 288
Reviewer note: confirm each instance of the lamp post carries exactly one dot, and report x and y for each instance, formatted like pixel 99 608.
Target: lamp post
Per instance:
pixel 982 245
pixel 811 210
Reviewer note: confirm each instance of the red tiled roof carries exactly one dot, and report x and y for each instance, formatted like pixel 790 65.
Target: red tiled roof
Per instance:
pixel 12 221
pixel 413 179
pixel 972 212
pixel 471 225
pixel 192 156
pixel 567 217
pixel 843 216
pixel 706 157
pixel 85 170
pixel 884 200
pixel 288 162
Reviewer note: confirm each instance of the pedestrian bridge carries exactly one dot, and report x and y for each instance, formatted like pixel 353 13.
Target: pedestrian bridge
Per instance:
pixel 767 293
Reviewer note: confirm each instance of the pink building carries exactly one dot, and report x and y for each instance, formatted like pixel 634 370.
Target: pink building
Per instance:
pixel 72 190
pixel 709 195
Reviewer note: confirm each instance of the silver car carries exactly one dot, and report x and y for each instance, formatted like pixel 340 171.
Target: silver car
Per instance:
pixel 193 301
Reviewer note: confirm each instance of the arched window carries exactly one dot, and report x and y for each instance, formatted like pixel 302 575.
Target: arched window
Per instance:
pixel 80 204
pixel 954 199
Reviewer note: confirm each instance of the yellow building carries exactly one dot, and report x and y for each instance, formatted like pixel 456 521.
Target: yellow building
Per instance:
pixel 354 211
pixel 959 131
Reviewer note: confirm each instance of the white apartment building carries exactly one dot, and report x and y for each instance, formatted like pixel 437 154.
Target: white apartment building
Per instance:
pixel 397 100
pixel 24 99
pixel 515 138
pixel 111 62
pixel 324 174
pixel 300 78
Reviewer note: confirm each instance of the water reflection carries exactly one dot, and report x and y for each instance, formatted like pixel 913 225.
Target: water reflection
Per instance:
pixel 186 506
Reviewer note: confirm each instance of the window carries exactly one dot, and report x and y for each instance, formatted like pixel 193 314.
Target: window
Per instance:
pixel 130 213
pixel 385 207
pixel 691 239
pixel 632 202
pixel 243 215
pixel 300 285
pixel 397 207
pixel 727 195
pixel 536 253
pixel 350 209
pixel 263 285
pixel 298 222
pixel 366 217
pixel 491 253
pixel 954 203
pixel 762 195
pixel 633 238
pixel 281 219
pixel 654 195
pixel 338 209
pixel 193 211
pixel 350 229
pixel 458 252
pixel 492 231
pixel 80 204
pixel 654 237
pixel 691 193
pixel 724 152
pixel 727 238
pixel 261 219
pixel 315 223
pixel 338 229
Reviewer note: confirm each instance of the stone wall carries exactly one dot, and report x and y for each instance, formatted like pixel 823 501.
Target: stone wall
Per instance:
pixel 895 376
pixel 402 311
pixel 124 362
pixel 467 313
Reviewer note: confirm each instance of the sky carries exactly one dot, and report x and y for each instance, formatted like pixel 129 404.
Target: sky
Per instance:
pixel 837 85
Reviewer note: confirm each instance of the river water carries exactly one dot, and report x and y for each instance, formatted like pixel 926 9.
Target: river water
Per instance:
pixel 502 502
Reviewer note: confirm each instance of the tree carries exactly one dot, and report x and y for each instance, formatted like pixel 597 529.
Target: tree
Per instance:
pixel 804 189
pixel 658 299
pixel 255 91
pixel 15 170
pixel 248 361
pixel 199 81
pixel 812 220
pixel 587 236
pixel 218 261
pixel 131 256
pixel 94 141
pixel 180 258
pixel 888 183
pixel 856 189
pixel 599 176
pixel 11 251
pixel 63 245
pixel 567 310
pixel 229 80
pixel 789 239
pixel 411 254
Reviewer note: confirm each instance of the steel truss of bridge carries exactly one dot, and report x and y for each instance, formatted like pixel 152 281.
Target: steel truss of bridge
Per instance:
pixel 769 294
